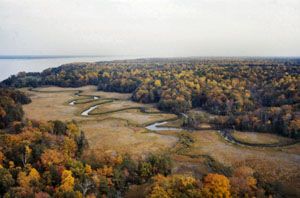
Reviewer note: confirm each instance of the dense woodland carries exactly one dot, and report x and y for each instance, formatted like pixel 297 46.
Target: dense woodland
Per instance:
pixel 258 94
pixel 51 159
pixel 10 106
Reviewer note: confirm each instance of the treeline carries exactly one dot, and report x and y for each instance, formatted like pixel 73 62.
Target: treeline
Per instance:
pixel 69 75
pixel 11 110
pixel 282 120
pixel 230 87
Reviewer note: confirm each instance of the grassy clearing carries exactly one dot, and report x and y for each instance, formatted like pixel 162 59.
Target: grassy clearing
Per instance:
pixel 201 152
pixel 152 109
pixel 121 131
pixel 259 138
pixel 273 164
pixel 187 162
pixel 50 106
pixel 138 118
pixel 117 105
pixel 118 135
pixel 84 91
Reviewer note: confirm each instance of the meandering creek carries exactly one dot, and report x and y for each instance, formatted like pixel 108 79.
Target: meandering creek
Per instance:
pixel 157 126
pixel 73 102
pixel 86 112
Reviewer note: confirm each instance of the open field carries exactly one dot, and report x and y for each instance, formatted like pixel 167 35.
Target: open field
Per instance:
pixel 273 164
pixel 138 118
pixel 55 105
pixel 50 106
pixel 259 138
pixel 122 131
pixel 117 135
pixel 51 103
pixel 116 105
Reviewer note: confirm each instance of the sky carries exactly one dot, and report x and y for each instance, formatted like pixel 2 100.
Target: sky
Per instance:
pixel 154 28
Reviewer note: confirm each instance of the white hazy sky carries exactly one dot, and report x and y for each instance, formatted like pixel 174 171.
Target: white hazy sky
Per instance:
pixel 150 27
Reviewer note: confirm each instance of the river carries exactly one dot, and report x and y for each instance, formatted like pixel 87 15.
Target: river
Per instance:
pixel 157 127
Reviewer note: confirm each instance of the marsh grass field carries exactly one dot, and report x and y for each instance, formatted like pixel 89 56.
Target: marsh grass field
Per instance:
pixel 273 163
pixel 259 138
pixel 122 131
pixel 118 127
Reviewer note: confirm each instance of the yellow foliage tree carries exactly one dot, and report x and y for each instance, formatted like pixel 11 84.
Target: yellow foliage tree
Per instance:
pixel 88 169
pixel 158 192
pixel 157 83
pixel 22 179
pixel 174 186
pixel 69 146
pixel 216 185
pixel 34 174
pixel 67 181
pixel 73 129
pixel 11 164
pixel 27 180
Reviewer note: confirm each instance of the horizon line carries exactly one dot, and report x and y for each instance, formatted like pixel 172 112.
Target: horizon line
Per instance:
pixel 20 56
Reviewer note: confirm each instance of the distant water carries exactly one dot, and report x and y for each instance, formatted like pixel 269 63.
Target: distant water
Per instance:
pixel 10 65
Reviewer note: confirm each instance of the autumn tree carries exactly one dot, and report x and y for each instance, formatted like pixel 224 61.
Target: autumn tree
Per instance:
pixel 216 185
pixel 2 157
pixel 28 180
pixel 52 156
pixel 67 181
pixel 174 186
pixel 243 183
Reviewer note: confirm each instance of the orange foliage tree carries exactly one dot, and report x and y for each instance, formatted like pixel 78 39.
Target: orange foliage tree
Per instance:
pixel 216 185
